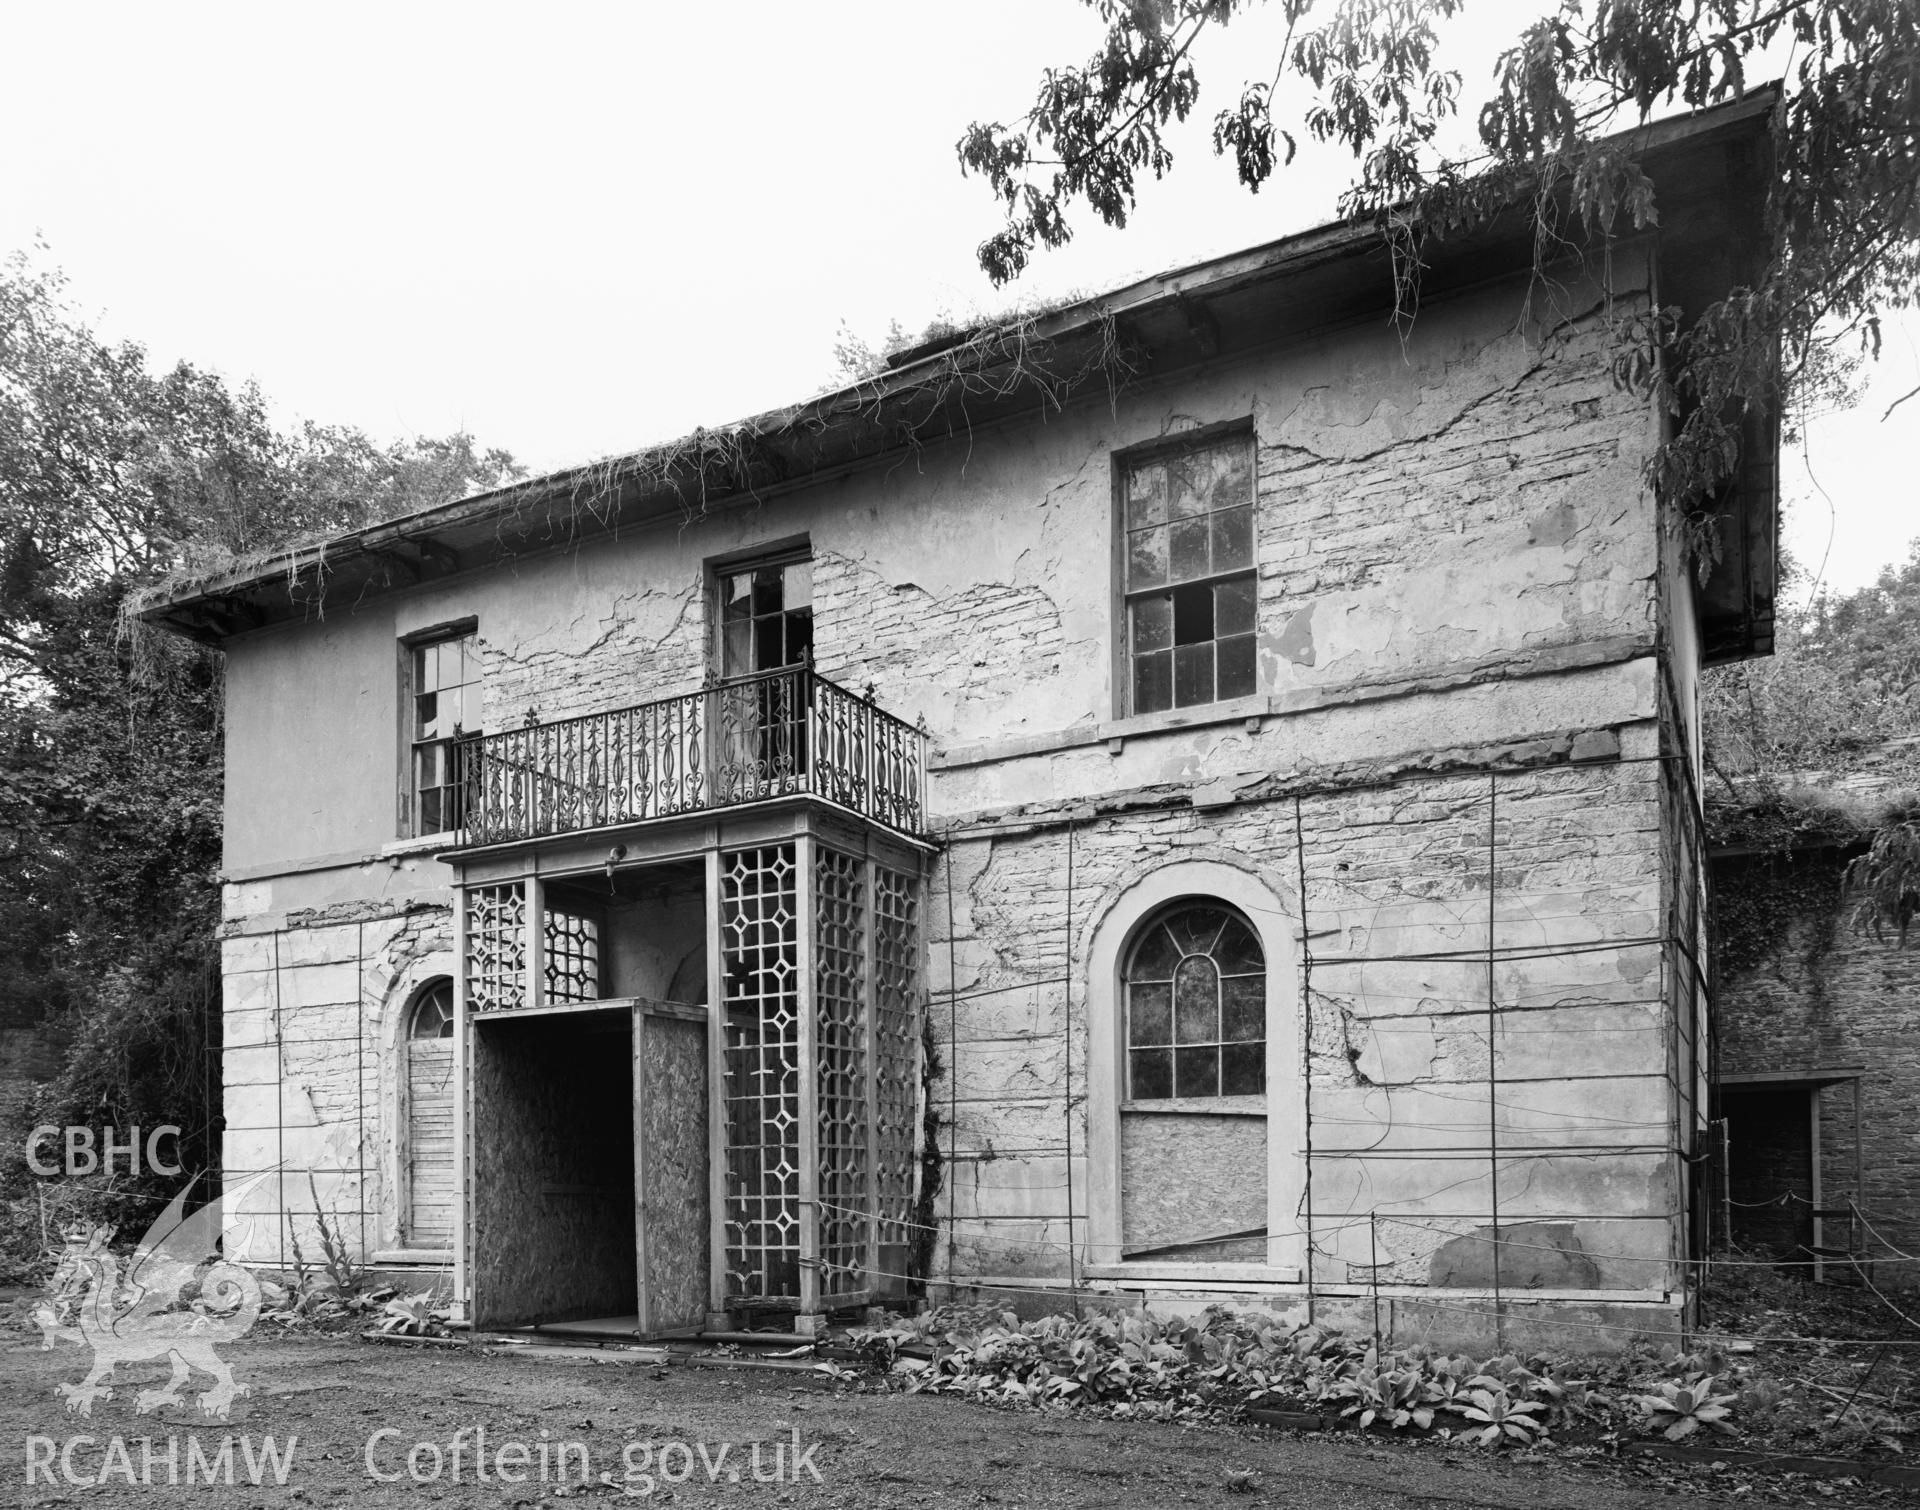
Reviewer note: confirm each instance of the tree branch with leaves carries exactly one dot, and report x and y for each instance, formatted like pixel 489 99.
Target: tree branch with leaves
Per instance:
pixel 1843 215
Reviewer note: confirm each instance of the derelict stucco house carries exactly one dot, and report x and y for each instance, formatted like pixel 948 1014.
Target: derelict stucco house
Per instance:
pixel 1188 797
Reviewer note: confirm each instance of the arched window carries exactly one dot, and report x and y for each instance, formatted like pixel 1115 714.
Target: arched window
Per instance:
pixel 1196 985
pixel 427 1222
pixel 432 1011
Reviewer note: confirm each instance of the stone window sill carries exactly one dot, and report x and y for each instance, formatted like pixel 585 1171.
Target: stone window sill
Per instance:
pixel 1200 1106
pixel 419 844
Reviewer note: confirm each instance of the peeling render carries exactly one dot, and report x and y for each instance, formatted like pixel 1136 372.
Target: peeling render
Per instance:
pixel 1458 744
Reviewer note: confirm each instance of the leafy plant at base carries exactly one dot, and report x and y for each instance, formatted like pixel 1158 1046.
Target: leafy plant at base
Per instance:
pixel 412 1316
pixel 1503 1418
pixel 1679 1410
pixel 1139 1366
pixel 1396 1398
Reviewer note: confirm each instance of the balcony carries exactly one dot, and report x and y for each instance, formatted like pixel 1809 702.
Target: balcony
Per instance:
pixel 785 733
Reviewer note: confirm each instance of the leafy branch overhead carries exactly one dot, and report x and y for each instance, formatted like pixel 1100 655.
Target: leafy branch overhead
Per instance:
pixel 1843 201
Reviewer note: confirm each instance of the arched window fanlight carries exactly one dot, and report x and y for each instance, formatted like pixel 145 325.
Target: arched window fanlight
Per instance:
pixel 1196 987
pixel 432 1011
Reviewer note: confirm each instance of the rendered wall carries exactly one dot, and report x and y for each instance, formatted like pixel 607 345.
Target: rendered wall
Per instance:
pixel 1461 505
pixel 1460 574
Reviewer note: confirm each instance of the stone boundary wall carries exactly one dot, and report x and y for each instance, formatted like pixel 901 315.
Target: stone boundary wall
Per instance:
pixel 1801 992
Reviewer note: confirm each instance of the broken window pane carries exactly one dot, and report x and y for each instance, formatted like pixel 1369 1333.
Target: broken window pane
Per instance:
pixel 1192 615
pixel 766 615
pixel 446 702
pixel 1190 521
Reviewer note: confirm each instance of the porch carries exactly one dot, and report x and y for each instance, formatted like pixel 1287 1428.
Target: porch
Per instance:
pixel 691 1064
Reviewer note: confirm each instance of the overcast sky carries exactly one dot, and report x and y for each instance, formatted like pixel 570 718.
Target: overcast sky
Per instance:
pixel 574 230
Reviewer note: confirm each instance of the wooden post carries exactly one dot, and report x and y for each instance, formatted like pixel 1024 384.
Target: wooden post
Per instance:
pixel 869 1024
pixel 805 925
pixel 536 908
pixel 462 1107
pixel 643 1299
pixel 1819 1225
pixel 716 1094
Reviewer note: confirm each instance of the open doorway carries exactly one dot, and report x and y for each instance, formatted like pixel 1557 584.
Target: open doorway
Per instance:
pixel 590 1164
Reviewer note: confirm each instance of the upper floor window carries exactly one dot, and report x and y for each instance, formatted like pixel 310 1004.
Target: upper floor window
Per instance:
pixel 1189 574
pixel 1196 983
pixel 766 616
pixel 444 720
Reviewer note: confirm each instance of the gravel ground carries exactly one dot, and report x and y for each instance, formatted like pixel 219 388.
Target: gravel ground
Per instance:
pixel 868 1448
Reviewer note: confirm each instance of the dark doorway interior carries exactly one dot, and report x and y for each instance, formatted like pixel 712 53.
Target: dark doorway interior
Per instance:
pixel 1770 1185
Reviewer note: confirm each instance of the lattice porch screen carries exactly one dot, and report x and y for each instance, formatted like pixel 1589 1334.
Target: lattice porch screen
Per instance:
pixel 496 947
pixel 822 1072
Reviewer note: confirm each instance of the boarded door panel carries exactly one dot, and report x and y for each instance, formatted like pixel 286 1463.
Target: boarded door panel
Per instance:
pixel 430 1142
pixel 670 1125
pixel 553 1168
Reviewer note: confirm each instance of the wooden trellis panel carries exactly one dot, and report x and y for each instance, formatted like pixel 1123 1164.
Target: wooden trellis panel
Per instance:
pixel 570 958
pixel 841 1069
pixel 760 955
pixel 496 948
pixel 896 1052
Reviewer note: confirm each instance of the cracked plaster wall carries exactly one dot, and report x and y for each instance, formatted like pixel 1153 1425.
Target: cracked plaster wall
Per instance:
pixel 1398 1050
pixel 1436 510
pixel 311 1071
pixel 1444 505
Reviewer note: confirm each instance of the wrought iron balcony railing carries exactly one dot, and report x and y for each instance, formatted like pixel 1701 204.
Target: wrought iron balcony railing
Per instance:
pixel 779 734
